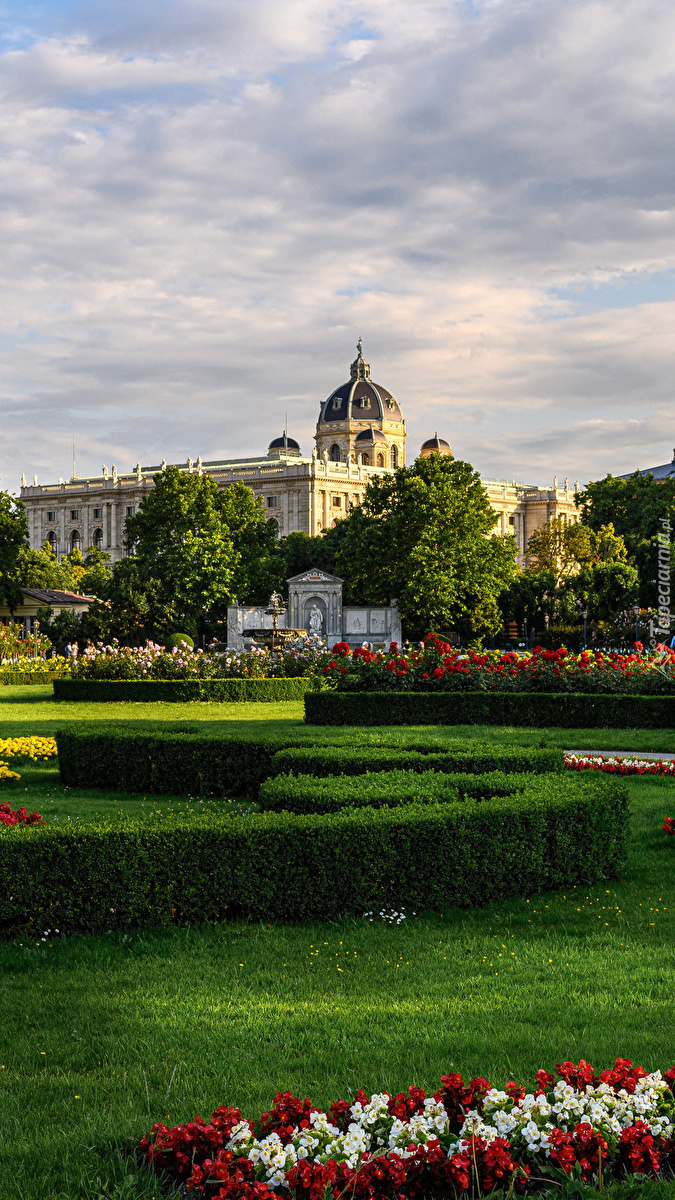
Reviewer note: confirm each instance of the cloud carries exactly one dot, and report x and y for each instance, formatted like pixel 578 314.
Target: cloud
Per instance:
pixel 203 204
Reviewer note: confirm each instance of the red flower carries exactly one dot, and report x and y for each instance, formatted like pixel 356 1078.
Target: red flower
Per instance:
pixel 669 826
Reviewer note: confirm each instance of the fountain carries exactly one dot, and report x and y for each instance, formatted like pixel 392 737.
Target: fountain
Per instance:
pixel 274 638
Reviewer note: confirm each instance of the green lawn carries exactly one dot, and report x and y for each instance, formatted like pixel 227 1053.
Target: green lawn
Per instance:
pixel 26 710
pixel 93 1028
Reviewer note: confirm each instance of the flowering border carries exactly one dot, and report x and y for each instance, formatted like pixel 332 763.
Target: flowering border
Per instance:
pixel 620 766
pixel 466 1137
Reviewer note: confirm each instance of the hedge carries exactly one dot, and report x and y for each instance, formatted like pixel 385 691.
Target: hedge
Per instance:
pixel 26 677
pixel 537 709
pixel 281 867
pixel 384 789
pixel 165 761
pixel 175 691
pixel 350 760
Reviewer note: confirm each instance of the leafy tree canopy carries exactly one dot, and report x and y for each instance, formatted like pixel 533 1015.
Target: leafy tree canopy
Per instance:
pixel 13 539
pixel 562 548
pixel 634 506
pixel 424 536
pixel 197 548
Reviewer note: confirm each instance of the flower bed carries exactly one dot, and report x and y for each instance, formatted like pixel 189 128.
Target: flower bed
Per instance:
pixel 669 826
pixel 18 816
pixel 434 666
pixel 300 658
pixel 620 766
pixel 466 1138
pixel 38 749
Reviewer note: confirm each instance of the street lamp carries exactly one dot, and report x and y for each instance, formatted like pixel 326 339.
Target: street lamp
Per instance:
pixel 36 626
pixel 585 616
pixel 636 614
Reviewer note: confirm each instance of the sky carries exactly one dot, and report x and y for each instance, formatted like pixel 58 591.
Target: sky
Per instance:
pixel 204 203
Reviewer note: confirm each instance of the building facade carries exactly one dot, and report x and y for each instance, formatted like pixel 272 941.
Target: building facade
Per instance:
pixel 360 435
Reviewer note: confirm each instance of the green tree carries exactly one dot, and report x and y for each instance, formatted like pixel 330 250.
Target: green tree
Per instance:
pixel 42 569
pixel 424 536
pixel 197 548
pixel 562 548
pixel 13 540
pixel 635 506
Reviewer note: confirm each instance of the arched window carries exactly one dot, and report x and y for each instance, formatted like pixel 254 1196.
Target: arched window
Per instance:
pixel 51 538
pixel 380 460
pixel 274 525
pixel 365 459
pixel 394 457
pixel 97 540
pixel 335 455
pixel 75 543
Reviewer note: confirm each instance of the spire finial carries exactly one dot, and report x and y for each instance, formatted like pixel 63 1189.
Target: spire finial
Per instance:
pixel 359 345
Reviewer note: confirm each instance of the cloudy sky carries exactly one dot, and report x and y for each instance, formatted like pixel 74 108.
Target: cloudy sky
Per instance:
pixel 203 203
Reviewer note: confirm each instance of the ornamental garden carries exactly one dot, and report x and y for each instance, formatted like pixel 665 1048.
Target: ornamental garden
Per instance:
pixel 338 922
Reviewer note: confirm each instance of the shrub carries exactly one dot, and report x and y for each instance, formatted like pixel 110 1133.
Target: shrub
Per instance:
pixel 177 640
pixel 165 761
pixel 282 867
pixel 179 691
pixel 350 760
pixel 539 710
pixel 385 789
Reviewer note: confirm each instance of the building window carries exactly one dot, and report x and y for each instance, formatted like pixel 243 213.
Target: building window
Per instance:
pixel 365 402
pixel 51 538
pixel 51 515
pixel 512 520
pixel 74 514
pixel 380 460
pixel 98 539
pixel 98 513
pixel 272 501
pixel 130 510
pixel 336 501
pixel 394 457
pixel 365 459
pixel 274 525
pixel 75 542
pixel 335 455
pixel 337 402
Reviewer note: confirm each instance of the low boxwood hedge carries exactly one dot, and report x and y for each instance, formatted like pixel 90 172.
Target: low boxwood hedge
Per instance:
pixel 176 691
pixel 537 709
pixel 282 867
pixel 26 677
pixel 171 762
pixel 384 789
pixel 356 760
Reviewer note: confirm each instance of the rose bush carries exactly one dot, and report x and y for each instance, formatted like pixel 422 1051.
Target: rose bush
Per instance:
pixel 620 766
pixel 18 816
pixel 467 1137
pixel 301 657
pixel 436 666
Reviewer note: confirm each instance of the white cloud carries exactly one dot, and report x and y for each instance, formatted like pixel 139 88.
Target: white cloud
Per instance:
pixel 203 204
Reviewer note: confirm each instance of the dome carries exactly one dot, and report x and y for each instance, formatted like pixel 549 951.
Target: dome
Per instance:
pixel 283 447
pixel 371 435
pixel 435 445
pixel 360 399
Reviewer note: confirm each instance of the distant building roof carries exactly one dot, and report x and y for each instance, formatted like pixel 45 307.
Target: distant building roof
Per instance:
pixel 667 471
pixel 53 597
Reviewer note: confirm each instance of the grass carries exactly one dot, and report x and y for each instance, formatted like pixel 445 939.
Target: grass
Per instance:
pixel 102 1036
pixel 31 709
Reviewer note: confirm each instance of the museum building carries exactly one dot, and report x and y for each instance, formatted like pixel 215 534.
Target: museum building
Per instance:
pixel 360 435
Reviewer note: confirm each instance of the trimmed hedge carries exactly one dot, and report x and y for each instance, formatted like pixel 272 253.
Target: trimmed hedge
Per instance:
pixel 537 709
pixel 26 677
pixel 350 760
pixel 280 867
pixel 165 761
pixel 176 691
pixel 385 789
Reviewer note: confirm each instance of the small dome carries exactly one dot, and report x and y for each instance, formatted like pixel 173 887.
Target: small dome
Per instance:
pixel 435 445
pixel 371 435
pixel 283 447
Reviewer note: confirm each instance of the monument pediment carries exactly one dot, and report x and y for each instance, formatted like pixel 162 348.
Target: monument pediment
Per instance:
pixel 314 575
